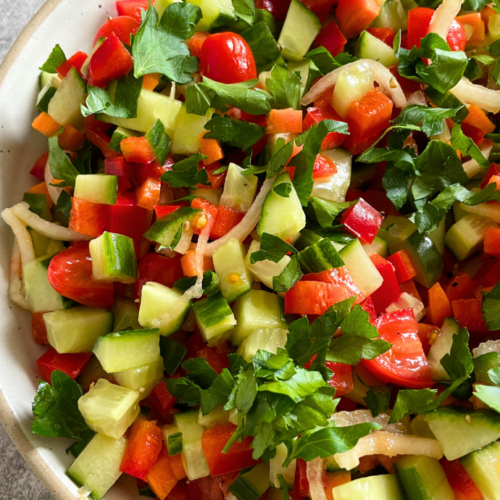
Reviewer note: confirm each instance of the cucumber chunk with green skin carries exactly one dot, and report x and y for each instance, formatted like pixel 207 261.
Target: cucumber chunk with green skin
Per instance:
pixel 97 467
pixel 460 430
pixel 215 13
pixel 193 458
pixel 77 329
pixel 169 230
pixel 319 257
pixel 65 105
pixel 257 309
pixel 214 318
pixel 172 438
pixel 265 270
pixel 420 427
pixel 252 484
pixel 45 78
pixel 440 348
pixel 385 486
pixel 361 269
pixel 45 246
pixel 120 134
pixel 235 278
pixel 151 106
pixel 113 258
pixel 44 97
pixel 306 239
pixel 267 339
pixel 370 47
pixel 466 236
pixel 437 236
pixel 299 31
pixel 307 71
pixel 276 467
pixel 141 379
pixel 239 190
pixel 378 246
pixel 39 292
pixel 483 466
pixel 423 478
pixel 488 210
pixel 187 129
pixel 126 314
pixel 97 188
pixel 109 409
pixel 129 349
pixel 218 416
pixel 282 217
pixel 483 364
pixel 157 300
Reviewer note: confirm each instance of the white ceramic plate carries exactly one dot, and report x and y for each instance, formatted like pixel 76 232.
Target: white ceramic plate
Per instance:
pixel 72 24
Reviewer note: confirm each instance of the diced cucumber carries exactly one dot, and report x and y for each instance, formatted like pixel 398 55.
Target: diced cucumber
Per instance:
pixel 172 438
pixel 187 129
pixel 265 270
pixel 466 236
pixel 77 329
pixel 157 300
pixel 44 97
pixel 483 466
pixel 215 13
pixel 218 416
pixel 253 484
pixel 141 379
pixel 483 364
pixel 319 257
pixel 120 134
pixel 276 467
pixel 209 194
pixel 39 292
pixel 169 231
pixel 308 73
pixel 113 258
pixel 282 217
pixel 214 318
pixel 45 246
pixel 437 236
pixel 109 409
pixel 65 106
pixel 378 246
pixel 97 467
pixel 266 339
pixel 151 106
pixel 229 263
pixel 423 477
pixel 392 15
pixel 45 78
pixel 129 349
pixel 306 239
pixel 299 31
pixel 97 188
pixel 370 47
pixel 385 486
pixel 256 309
pixel 420 427
pixel 440 348
pixel 239 190
pixel 126 314
pixel 460 430
pixel 334 188
pixel 407 301
pixel 193 457
pixel 361 269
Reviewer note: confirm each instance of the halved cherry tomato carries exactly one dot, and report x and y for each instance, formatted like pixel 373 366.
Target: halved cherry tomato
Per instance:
pixel 405 363
pixel 227 58
pixel 70 274
pixel 122 27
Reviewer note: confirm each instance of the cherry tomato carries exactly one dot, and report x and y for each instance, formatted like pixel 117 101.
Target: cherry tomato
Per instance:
pixel 227 58
pixel 278 8
pixel 157 268
pixel 405 363
pixel 122 27
pixel 70 274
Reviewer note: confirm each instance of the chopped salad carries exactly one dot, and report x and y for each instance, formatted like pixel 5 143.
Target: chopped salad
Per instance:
pixel 263 250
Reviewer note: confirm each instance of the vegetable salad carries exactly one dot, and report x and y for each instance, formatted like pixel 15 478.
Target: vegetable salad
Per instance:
pixel 263 250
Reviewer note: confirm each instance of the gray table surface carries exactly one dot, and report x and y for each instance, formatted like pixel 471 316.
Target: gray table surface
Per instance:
pixel 17 480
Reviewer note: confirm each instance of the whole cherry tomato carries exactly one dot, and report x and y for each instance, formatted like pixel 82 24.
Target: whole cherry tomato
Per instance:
pixel 227 58
pixel 122 27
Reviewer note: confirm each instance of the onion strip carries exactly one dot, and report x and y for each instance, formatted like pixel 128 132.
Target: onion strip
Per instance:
pixel 444 16
pixel 314 472
pixel 15 283
pixel 387 83
pixel 484 98
pixel 21 234
pixel 54 192
pixel 44 227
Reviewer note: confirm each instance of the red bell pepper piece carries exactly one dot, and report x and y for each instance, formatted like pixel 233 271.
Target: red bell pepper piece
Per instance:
pixel 341 379
pixel 408 86
pixel 494 169
pixel 346 405
pixel 215 357
pixel 194 343
pixel 340 278
pixel 492 241
pixel 468 314
pixel 126 217
pixel 210 211
pixel 137 150
pixel 238 457
pixel 205 488
pixel 38 328
pixel 144 171
pixel 461 287
pixel 109 62
pixel 461 483
pixel 301 476
pixel 284 121
pixel 162 210
pixel 323 167
pixel 71 364
pixel 362 220
pixel 216 180
pixel 160 399
pixel 120 168
pixel 379 201
pixel 488 274
pixel 180 492
pixel 321 8
pixel 226 219
pixel 474 133
pixel 87 217
pixel 389 290
pixel 368 306
pixel 132 8
pixel 479 119
pixel 326 112
pixel 123 27
pixel 148 194
pixel 354 16
pixel 385 35
pixel 331 38
pixel 101 140
pixel 161 478
pixel 75 61
pixel 403 265
pixel 143 447
pixel 439 306
pixel 425 332
pixel 38 169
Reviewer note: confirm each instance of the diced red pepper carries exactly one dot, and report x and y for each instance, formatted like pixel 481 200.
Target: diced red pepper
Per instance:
pixel 143 171
pixel 362 220
pixel 100 139
pixel 211 149
pixel 180 492
pixel 346 404
pixel 356 15
pixel 321 8
pixel 148 194
pixel 143 447
pixel 385 35
pixel 216 180
pixel 123 27
pixel 238 457
pixel 137 150
pixel 479 119
pixel 368 306
pixel 226 219
pixel 389 291
pixel 38 328
pixel 408 86
pixel 278 8
pixel 474 133
pixel 301 475
pixel 216 359
pixel 75 61
pixel 425 332
pixel 87 217
pixel 38 169
pixel 492 241
pixel 439 306
pixel 331 38
pixel 162 210
pixel 160 399
pixel 403 265
pixel 209 210
pixel 132 8
pixel 284 121
pixel 161 478
pixel 379 201
pixel 120 168
pixel 225 480
pixel 126 217
pixel 318 114
pixel 461 483
pixel 205 488
pixel 71 364
pixel 109 62
pixel 488 274
pixel 341 379
pixel 71 139
pixel 468 314
pixel 340 278
pixel 323 167
pixel 461 287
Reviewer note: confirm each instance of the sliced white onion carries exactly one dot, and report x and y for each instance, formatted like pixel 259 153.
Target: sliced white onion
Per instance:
pixel 314 471
pixel 482 97
pixel 247 224
pixel 15 283
pixel 54 192
pixel 486 347
pixel 387 83
pixel 347 418
pixel 49 229
pixel 472 167
pixel 387 443
pixel 21 234
pixel 417 97
pixel 443 17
